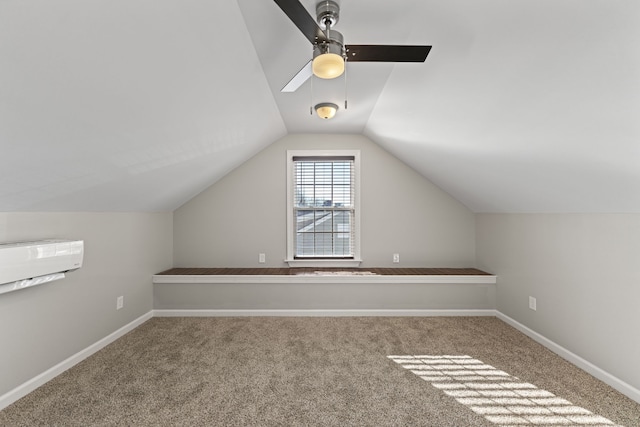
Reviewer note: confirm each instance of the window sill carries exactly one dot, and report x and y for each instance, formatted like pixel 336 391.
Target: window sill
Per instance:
pixel 345 263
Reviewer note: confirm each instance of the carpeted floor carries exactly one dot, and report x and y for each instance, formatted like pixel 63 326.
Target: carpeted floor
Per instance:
pixel 364 371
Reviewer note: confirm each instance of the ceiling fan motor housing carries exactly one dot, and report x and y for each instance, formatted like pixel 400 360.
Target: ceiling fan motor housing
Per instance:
pixel 327 12
pixel 335 44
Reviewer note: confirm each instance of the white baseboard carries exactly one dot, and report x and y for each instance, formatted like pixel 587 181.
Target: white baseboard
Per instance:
pixel 323 313
pixel 624 388
pixel 27 387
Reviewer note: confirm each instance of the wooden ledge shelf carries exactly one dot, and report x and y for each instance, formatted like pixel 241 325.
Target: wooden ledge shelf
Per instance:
pixel 325 275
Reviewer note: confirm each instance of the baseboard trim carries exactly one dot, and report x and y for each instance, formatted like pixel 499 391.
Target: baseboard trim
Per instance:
pixel 323 313
pixel 624 388
pixel 29 386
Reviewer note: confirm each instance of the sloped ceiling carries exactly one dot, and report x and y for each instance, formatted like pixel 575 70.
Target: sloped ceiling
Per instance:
pixel 132 105
pixel 126 105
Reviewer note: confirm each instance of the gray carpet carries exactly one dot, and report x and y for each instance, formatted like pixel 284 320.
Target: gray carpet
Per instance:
pixel 308 372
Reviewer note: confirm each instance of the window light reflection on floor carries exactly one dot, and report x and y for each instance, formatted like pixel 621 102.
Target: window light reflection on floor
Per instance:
pixel 499 397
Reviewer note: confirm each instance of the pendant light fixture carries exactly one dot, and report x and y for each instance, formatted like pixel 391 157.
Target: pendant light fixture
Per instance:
pixel 326 110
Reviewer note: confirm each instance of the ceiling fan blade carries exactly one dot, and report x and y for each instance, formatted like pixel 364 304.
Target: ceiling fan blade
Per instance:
pixel 386 53
pixel 301 18
pixel 300 77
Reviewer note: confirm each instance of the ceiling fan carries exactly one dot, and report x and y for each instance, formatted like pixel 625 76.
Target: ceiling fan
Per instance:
pixel 329 50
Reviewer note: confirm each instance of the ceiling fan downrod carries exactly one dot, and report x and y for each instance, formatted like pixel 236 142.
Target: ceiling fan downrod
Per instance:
pixel 327 13
pixel 327 16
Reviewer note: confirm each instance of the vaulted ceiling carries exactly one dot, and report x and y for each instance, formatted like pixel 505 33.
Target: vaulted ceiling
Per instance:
pixel 138 105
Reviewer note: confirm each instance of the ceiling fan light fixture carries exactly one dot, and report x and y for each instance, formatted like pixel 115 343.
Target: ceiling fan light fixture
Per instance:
pixel 326 110
pixel 328 66
pixel 328 57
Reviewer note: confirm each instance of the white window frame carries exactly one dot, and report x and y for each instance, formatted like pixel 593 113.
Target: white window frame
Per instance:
pixel 326 262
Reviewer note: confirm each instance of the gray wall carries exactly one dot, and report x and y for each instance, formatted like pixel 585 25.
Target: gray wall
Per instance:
pixel 584 271
pixel 244 214
pixel 44 325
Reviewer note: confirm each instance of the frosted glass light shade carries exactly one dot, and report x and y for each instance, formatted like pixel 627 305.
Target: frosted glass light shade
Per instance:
pixel 326 110
pixel 328 66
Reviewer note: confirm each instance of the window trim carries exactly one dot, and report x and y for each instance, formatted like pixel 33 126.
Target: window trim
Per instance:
pixel 323 262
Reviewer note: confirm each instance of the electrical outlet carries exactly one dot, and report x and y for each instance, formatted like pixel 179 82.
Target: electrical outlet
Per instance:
pixel 262 258
pixel 532 303
pixel 396 258
pixel 119 302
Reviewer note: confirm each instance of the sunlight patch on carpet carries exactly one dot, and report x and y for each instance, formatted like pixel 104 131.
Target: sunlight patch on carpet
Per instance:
pixel 500 398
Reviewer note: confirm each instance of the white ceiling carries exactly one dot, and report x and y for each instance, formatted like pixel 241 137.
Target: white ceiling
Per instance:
pixel 138 105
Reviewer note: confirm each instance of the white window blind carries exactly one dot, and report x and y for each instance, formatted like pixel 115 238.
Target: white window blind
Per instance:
pixel 324 207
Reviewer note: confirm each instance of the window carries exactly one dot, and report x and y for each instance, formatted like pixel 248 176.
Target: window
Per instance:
pixel 323 208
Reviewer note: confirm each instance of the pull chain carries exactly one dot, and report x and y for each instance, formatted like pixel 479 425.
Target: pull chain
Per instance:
pixel 345 84
pixel 311 97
